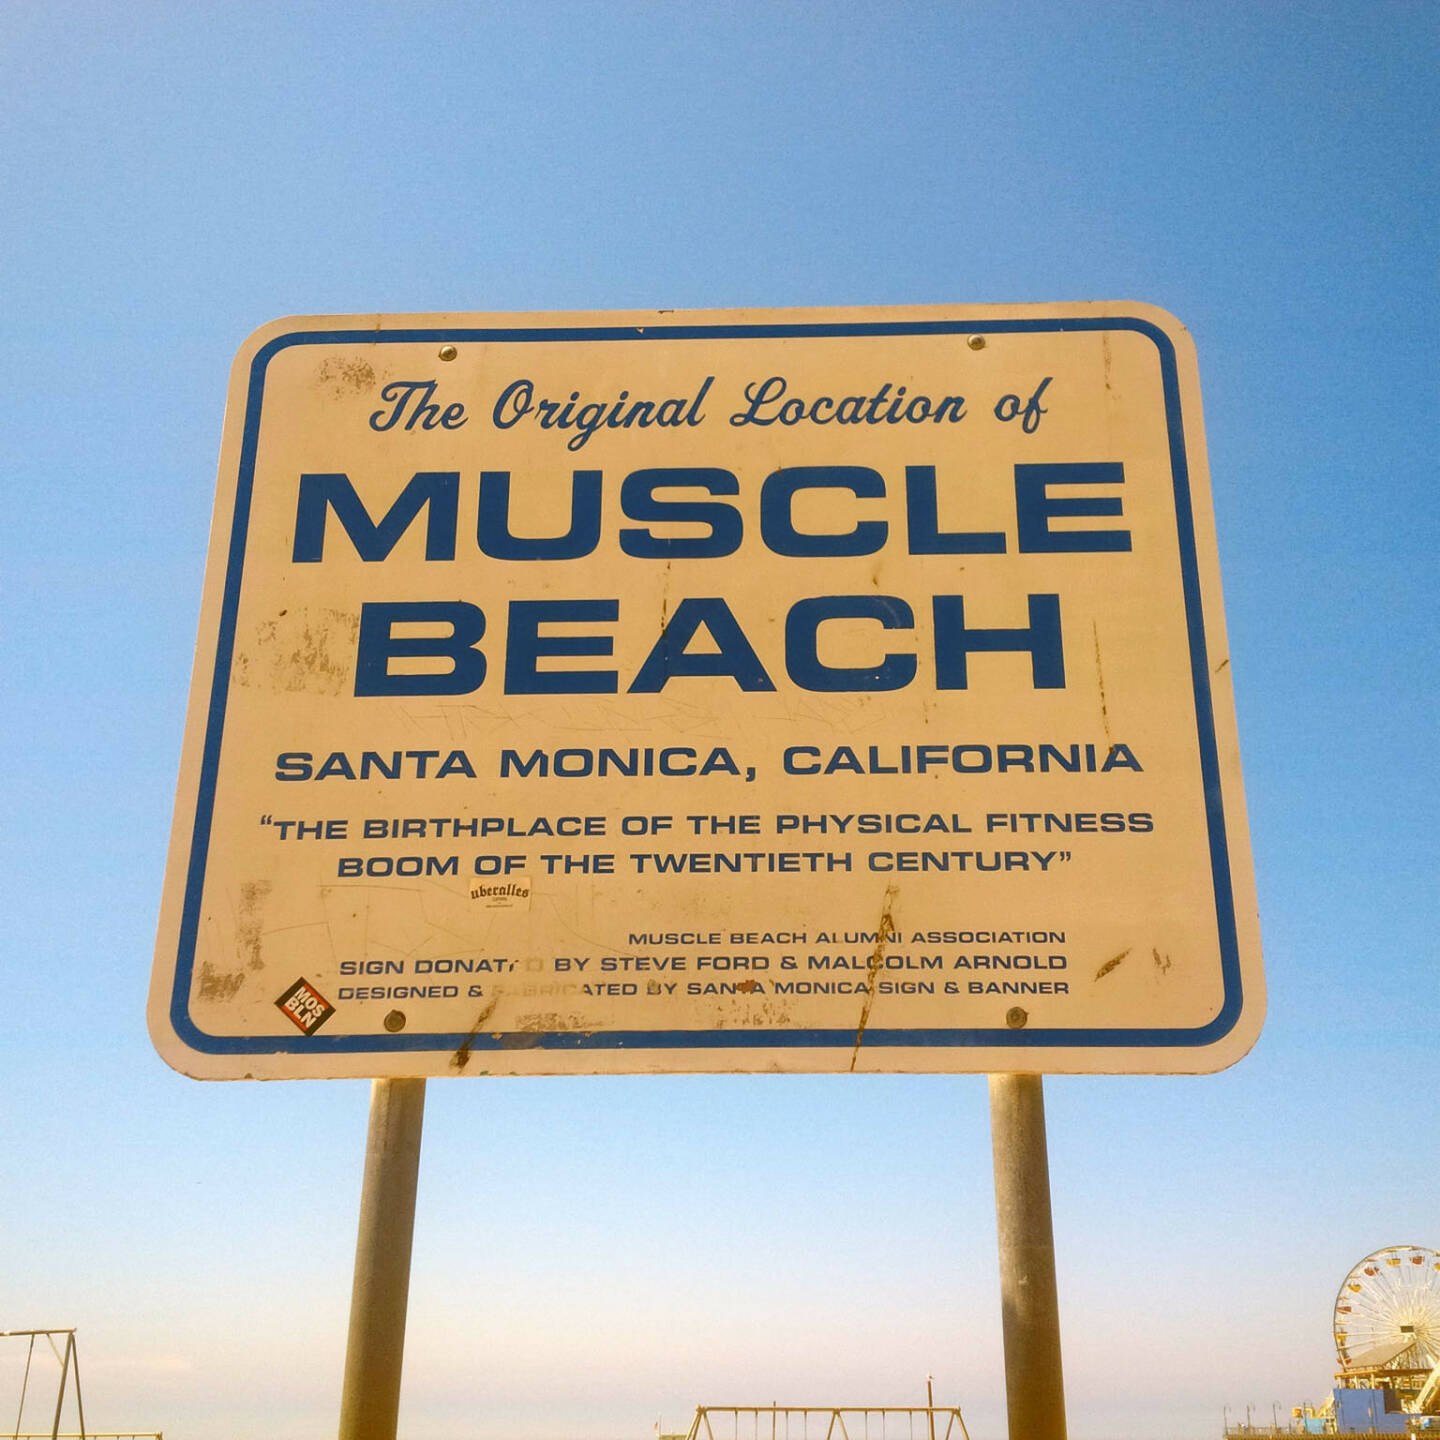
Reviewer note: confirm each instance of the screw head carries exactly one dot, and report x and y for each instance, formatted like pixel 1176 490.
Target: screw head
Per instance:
pixel 976 342
pixel 395 1020
pixel 448 352
pixel 1015 1017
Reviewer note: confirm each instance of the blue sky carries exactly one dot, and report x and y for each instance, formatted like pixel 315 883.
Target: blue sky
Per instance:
pixel 594 1254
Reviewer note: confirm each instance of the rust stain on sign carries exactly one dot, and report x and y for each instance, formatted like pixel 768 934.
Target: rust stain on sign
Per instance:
pixel 545 1022
pixel 290 654
pixel 1110 964
pixel 877 962
pixel 213 984
pixel 461 1058
pixel 346 375
pixel 1162 962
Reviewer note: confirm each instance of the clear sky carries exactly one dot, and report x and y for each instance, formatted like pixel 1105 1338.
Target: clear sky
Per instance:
pixel 594 1254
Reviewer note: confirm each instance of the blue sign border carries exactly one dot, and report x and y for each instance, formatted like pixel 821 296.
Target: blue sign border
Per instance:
pixel 714 1040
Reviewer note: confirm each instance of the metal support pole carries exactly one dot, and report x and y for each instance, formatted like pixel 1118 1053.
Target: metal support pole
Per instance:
pixel 79 1398
pixel 375 1351
pixel 64 1375
pixel 1030 1310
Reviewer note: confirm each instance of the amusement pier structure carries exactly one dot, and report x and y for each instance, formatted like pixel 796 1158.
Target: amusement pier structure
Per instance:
pixel 1387 1344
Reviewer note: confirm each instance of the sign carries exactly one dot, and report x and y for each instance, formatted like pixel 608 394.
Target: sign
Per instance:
pixel 724 691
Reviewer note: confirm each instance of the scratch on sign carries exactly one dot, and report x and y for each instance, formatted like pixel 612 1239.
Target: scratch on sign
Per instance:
pixel 1100 677
pixel 249 922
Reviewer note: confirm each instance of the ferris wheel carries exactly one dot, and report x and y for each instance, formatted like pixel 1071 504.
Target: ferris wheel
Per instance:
pixel 1387 1313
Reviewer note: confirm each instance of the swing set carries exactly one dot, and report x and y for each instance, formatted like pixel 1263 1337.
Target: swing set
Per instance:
pixel 67 1356
pixel 832 1422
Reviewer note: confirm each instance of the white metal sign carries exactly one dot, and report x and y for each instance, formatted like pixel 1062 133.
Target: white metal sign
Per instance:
pixel 789 690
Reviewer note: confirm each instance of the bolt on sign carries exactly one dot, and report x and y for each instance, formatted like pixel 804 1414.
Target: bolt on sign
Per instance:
pixel 715 691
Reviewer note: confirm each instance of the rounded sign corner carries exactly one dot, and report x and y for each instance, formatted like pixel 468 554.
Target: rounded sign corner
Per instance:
pixel 180 1057
pixel 1156 318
